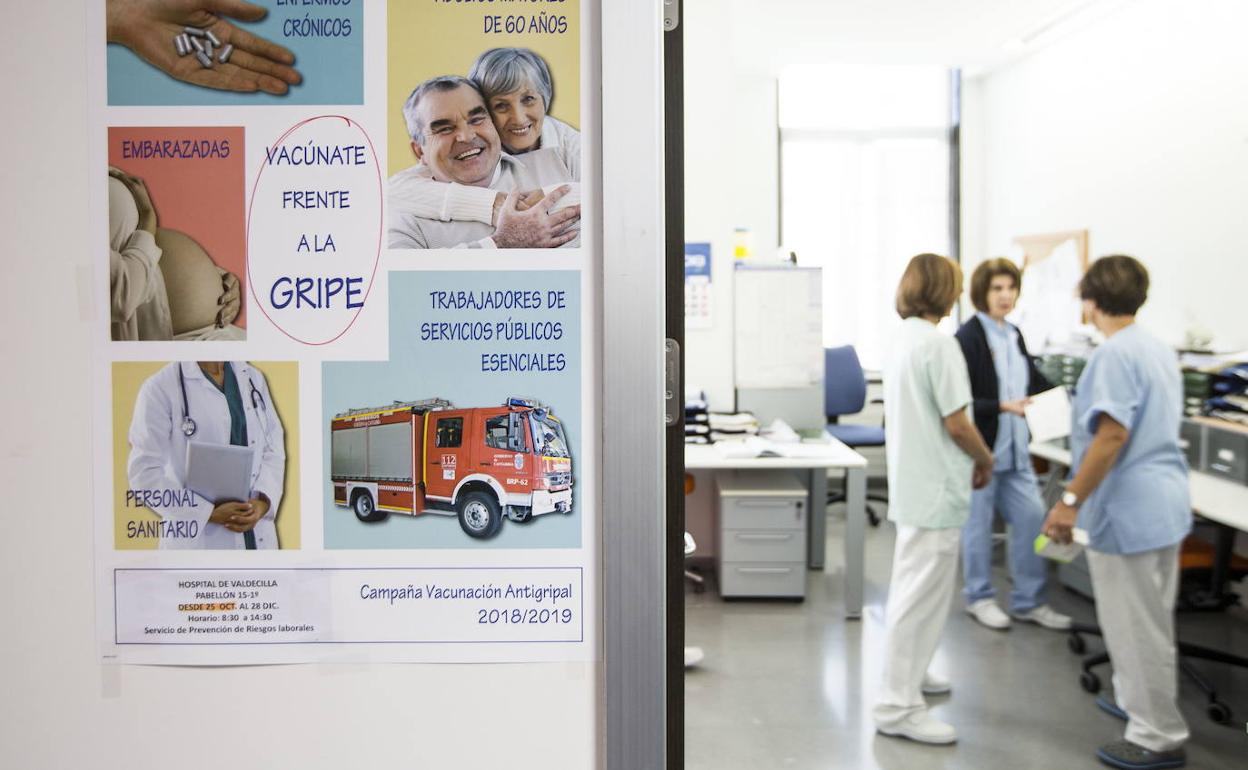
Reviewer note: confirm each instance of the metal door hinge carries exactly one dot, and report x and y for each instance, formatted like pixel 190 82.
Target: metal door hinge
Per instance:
pixel 673 401
pixel 671 15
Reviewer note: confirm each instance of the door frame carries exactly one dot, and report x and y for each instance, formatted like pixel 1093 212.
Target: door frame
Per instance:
pixel 630 165
pixel 674 269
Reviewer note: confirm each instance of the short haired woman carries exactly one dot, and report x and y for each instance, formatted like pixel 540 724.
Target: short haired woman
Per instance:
pixel 519 91
pixel 935 456
pixel 1130 494
pixel 1003 378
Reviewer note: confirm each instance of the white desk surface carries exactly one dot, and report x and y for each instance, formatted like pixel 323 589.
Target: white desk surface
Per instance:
pixel 832 454
pixel 1212 497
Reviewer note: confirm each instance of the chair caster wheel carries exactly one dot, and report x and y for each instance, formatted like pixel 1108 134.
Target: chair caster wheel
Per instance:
pixel 1076 644
pixel 1218 712
pixel 1090 682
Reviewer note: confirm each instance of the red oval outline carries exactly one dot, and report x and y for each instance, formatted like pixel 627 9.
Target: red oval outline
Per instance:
pixel 251 284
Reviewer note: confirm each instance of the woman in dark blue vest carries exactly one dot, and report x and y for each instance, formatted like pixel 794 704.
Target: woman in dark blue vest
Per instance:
pixel 1003 377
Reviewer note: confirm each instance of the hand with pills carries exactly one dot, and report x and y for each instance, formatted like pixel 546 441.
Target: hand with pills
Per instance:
pixel 192 41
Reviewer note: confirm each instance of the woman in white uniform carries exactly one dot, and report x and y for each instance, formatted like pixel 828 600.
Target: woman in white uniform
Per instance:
pixel 935 456
pixel 518 90
pixel 209 402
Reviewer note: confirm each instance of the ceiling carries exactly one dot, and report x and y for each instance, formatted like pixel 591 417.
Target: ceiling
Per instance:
pixel 976 35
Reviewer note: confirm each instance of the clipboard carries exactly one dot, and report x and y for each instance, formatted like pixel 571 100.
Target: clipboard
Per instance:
pixel 219 473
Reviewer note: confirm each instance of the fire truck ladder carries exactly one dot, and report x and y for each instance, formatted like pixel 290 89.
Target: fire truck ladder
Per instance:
pixel 418 407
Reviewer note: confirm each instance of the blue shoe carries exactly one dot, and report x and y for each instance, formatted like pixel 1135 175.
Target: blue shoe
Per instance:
pixel 1126 755
pixel 1109 707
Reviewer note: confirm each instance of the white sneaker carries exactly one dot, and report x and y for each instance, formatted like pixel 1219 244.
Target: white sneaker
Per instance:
pixel 989 614
pixel 922 728
pixel 1046 616
pixel 936 685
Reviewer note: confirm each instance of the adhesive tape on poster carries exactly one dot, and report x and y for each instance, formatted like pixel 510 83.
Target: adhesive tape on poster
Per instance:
pixel 110 681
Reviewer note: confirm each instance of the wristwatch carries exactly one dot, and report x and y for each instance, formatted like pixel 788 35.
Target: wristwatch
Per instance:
pixel 1070 499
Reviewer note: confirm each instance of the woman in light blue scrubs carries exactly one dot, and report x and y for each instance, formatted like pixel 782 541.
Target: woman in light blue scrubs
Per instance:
pixel 1130 493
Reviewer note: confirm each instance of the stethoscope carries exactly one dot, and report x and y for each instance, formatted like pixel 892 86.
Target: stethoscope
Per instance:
pixel 189 428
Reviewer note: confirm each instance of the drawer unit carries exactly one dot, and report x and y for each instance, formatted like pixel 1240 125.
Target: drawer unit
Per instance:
pixel 763 512
pixel 1191 440
pixel 762 579
pixel 763 545
pixel 762 534
pixel 1226 454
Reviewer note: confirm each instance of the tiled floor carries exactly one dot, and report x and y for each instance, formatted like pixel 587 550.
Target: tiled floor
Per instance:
pixel 787 685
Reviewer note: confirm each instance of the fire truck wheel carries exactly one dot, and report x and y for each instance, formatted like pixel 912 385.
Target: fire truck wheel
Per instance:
pixel 479 515
pixel 364 508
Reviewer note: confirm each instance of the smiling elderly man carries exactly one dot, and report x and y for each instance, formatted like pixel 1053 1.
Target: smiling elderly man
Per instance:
pixel 456 142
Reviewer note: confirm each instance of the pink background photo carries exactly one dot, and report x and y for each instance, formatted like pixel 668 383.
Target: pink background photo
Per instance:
pixel 201 196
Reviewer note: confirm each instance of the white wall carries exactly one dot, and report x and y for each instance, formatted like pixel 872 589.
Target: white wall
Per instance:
pixel 1135 127
pixel 731 171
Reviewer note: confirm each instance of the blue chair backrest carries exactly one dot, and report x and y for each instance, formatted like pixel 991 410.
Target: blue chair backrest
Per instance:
pixel 844 384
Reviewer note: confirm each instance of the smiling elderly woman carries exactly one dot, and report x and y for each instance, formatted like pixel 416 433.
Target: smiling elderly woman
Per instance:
pixel 519 91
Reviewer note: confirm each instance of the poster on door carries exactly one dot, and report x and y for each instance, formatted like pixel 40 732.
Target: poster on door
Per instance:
pixel 344 344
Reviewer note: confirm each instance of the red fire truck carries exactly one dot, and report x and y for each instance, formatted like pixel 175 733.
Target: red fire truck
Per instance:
pixel 481 464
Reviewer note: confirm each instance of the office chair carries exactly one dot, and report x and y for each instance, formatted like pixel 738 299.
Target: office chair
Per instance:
pixel 1216 710
pixel 845 393
pixel 1214 597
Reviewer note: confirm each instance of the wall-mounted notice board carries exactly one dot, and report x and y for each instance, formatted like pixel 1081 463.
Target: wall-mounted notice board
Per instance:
pixel 778 339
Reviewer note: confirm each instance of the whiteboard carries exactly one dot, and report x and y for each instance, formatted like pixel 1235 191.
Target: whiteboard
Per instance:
pixel 778 340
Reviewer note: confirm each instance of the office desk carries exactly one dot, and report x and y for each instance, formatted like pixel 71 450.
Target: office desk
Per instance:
pixel 1213 498
pixel 832 454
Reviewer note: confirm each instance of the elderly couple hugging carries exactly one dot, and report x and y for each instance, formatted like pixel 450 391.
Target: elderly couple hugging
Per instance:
pixel 495 170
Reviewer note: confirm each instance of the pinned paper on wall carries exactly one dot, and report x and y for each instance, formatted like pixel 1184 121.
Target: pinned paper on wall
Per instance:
pixel 698 286
pixel 1049 311
pixel 778 339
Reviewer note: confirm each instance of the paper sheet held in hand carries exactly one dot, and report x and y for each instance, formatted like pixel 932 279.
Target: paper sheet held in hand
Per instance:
pixel 1048 415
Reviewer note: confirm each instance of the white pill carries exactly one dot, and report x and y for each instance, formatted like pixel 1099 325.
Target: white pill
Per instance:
pixel 203 59
pixel 225 53
pixel 178 46
pixel 198 46
pixel 208 50
pixel 212 38
pixel 195 31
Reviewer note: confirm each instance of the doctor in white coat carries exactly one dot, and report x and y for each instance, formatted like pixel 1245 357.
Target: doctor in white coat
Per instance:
pixel 210 402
